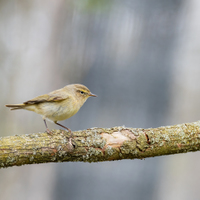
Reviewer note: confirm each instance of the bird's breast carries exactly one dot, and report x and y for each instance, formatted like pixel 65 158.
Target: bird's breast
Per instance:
pixel 58 111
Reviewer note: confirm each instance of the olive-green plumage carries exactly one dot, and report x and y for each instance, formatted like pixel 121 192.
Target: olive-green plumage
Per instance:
pixel 58 105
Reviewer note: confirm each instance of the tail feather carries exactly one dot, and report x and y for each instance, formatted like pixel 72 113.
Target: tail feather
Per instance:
pixel 15 106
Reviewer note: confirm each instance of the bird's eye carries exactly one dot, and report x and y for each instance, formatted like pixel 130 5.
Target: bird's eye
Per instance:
pixel 81 92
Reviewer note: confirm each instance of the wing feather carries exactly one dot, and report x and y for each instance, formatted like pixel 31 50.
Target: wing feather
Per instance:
pixel 56 95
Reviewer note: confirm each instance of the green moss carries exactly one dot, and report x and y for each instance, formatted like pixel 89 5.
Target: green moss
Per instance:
pixel 92 155
pixel 128 147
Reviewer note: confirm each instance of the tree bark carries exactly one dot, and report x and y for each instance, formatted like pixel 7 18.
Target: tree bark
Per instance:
pixel 99 144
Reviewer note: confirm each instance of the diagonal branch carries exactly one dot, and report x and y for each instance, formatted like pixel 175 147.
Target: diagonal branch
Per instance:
pixel 99 144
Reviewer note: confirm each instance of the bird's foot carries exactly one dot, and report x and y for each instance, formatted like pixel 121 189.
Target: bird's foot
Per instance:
pixel 49 132
pixel 71 144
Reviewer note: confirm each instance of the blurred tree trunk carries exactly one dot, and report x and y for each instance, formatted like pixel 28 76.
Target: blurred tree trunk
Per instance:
pixel 184 106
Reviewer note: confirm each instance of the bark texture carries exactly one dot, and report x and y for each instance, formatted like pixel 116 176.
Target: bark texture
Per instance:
pixel 99 144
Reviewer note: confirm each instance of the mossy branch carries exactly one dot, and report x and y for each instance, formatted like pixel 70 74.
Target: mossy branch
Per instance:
pixel 99 144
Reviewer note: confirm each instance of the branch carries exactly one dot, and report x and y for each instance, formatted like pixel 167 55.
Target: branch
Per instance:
pixel 99 144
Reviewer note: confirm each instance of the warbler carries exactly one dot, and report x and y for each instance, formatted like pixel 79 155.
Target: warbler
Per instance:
pixel 57 105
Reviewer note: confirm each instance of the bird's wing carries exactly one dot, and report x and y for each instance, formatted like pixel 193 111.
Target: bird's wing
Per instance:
pixel 56 95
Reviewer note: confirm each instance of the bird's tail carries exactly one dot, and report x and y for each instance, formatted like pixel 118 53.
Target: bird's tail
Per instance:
pixel 15 106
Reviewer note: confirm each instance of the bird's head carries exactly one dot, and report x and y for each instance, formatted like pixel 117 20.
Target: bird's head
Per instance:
pixel 81 92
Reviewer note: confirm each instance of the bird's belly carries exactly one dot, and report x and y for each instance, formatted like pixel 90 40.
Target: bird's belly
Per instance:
pixel 57 112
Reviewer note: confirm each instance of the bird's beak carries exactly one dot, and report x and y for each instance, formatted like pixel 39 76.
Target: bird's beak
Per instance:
pixel 92 95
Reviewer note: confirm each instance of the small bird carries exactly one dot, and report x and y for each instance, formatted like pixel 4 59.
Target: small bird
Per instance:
pixel 58 105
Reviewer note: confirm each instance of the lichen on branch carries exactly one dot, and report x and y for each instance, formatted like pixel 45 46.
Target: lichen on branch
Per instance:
pixel 99 144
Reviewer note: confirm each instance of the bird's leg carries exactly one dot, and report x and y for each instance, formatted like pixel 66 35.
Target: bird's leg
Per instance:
pixel 48 131
pixel 63 126
pixel 72 143
pixel 71 134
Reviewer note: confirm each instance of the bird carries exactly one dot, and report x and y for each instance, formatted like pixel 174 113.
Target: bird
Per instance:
pixel 57 105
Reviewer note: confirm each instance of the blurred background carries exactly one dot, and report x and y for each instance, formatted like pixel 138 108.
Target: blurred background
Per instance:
pixel 142 60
